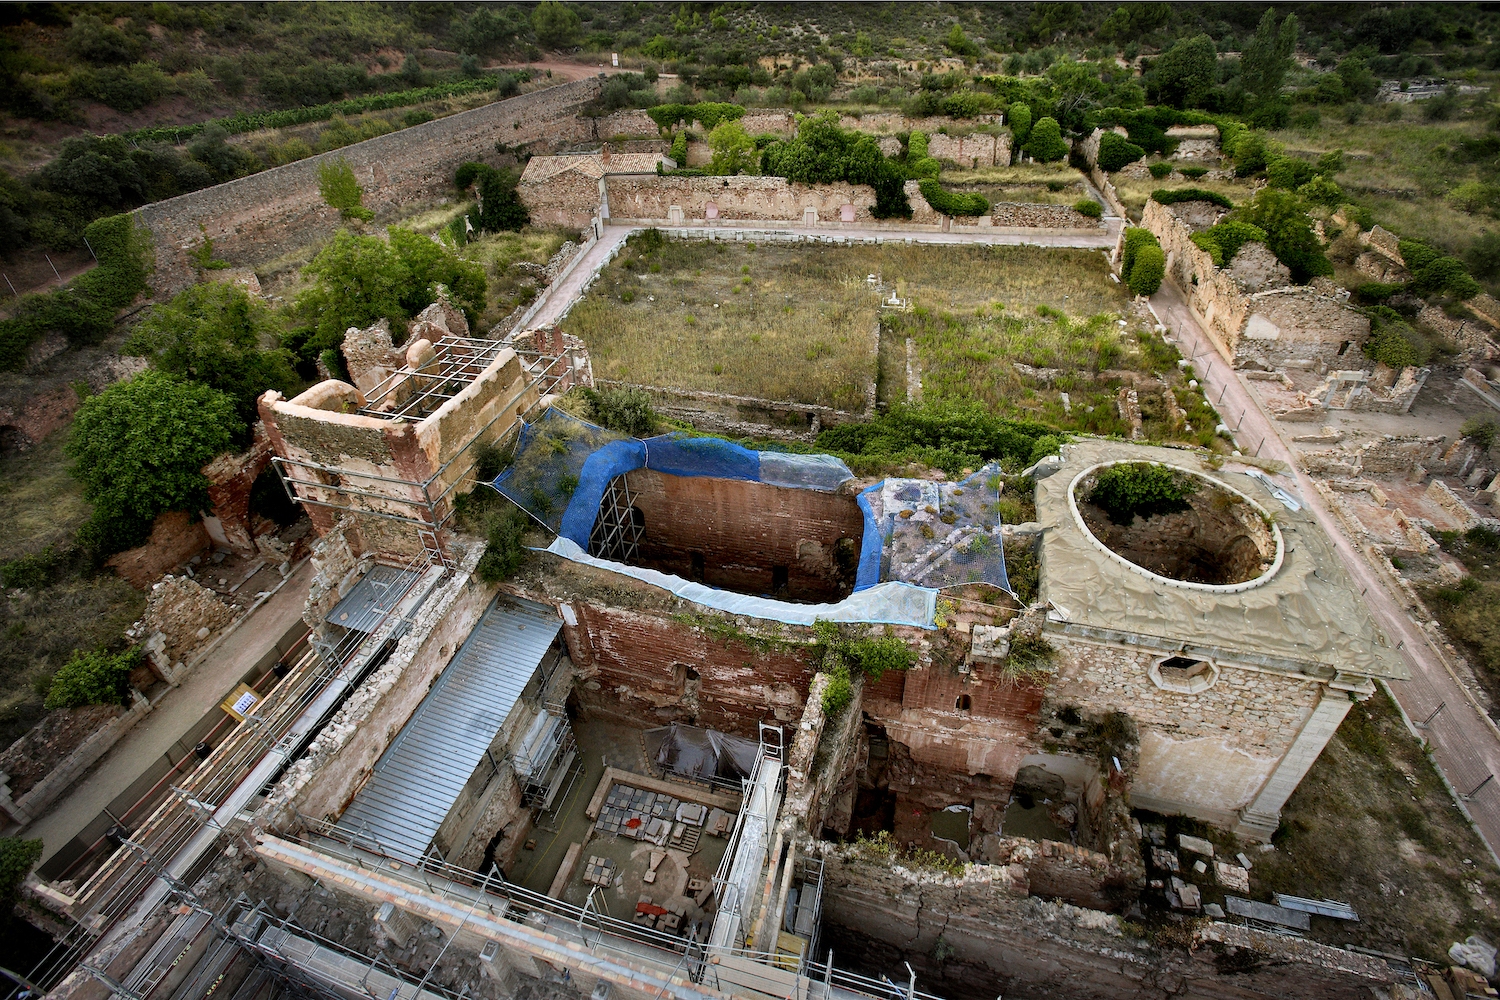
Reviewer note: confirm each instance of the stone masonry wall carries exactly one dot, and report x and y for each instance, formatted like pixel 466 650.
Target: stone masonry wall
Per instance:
pixel 1013 944
pixel 257 218
pixel 1206 754
pixel 569 199
pixel 648 198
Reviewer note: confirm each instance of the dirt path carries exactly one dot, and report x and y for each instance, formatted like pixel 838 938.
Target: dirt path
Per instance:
pixel 176 713
pixel 564 71
pixel 1465 741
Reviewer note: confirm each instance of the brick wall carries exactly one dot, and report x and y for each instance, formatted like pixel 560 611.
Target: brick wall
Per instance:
pixel 639 666
pixel 257 218
pixel 740 530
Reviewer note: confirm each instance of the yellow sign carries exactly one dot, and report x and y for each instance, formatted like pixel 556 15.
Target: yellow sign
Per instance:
pixel 241 702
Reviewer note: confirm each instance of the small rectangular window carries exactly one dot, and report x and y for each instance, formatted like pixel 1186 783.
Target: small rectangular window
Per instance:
pixel 698 566
pixel 778 579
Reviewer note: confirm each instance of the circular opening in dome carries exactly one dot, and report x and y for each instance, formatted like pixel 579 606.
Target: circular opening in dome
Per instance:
pixel 1176 524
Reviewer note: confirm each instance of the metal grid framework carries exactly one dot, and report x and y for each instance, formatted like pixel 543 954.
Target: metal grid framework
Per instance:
pixel 422 503
pixel 414 393
pixel 118 868
pixel 550 763
pixel 617 535
pixel 596 931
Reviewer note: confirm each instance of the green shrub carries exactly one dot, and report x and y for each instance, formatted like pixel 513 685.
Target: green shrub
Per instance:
pixel 1128 489
pixel 1116 152
pixel 625 410
pixel 1376 292
pixel 707 113
pixel 1394 342
pixel 1160 170
pixel 29 572
pixel 1444 276
pixel 97 678
pixel 1481 430
pixel 341 191
pixel 1089 207
pixel 1224 240
pixel 1019 116
pixel 1192 173
pixel 1417 255
pixel 17 858
pixel 678 152
pixel 1136 237
pixel 1045 143
pixel 1175 196
pixel 505 549
pixel 950 437
pixel 1282 215
pixel 1029 655
pixel 950 203
pixel 1149 270
pixel 138 446
pixel 876 655
pixel 839 692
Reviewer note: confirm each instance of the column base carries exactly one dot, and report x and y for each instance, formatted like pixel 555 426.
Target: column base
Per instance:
pixel 1257 826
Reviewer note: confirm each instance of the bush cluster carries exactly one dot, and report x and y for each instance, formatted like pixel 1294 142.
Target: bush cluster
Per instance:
pixel 1128 489
pixel 1143 265
pixel 847 650
pixel 501 208
pixel 1224 240
pixel 1175 196
pixel 824 153
pixel 1089 207
pixel 1045 142
pixel 1395 342
pixel 707 113
pixel 953 203
pixel 1434 273
pixel 1117 152
pixel 945 436
pixel 97 678
pixel 628 411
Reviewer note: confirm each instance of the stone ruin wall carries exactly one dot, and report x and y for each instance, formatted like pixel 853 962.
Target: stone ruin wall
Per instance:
pixel 649 198
pixel 1294 326
pixel 260 217
pixel 323 782
pixel 1011 942
pixel 1206 754
pixel 569 199
pixel 1393 455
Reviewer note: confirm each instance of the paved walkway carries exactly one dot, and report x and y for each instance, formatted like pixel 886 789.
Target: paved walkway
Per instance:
pixel 178 711
pixel 569 288
pixel 1465 741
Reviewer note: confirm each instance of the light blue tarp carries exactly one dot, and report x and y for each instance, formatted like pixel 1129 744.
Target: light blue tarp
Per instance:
pixel 885 603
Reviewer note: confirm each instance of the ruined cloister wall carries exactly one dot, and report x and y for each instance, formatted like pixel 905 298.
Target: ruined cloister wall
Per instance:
pixel 1205 754
pixel 920 709
pixel 637 665
pixel 741 530
pixel 1270 329
pixel 323 782
pixel 999 941
pixel 487 410
pixel 257 218
pixel 649 198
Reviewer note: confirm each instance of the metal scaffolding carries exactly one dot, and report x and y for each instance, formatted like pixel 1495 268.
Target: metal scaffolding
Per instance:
pixel 618 530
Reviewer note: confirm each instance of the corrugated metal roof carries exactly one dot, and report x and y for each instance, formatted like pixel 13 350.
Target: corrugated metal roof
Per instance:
pixel 422 772
pixel 372 597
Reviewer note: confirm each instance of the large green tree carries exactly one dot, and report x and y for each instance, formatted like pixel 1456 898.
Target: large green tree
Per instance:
pixel 138 448
pixel 215 334
pixel 1185 73
pixel 555 25
pixel 1289 232
pixel 1265 61
pixel 361 279
pixel 733 149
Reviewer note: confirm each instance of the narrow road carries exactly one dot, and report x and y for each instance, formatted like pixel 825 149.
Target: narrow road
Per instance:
pixel 1465 741
pixel 178 710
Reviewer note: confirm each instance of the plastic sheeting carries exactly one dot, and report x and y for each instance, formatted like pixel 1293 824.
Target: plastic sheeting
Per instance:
pixel 700 753
pixel 886 603
pixel 933 534
pixel 563 466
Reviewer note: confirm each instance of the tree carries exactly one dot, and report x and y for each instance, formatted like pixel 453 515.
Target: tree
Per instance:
pixel 1116 152
pixel 97 678
pixel 431 264
pixel 1265 61
pixel 1046 142
pixel 554 23
pixel 959 44
pixel 138 448
pixel 733 149
pixel 1289 232
pixel 1020 122
pixel 500 208
pixel 341 191
pixel 213 333
pixel 17 858
pixel 1483 256
pixel 1360 83
pixel 1148 270
pixel 1186 72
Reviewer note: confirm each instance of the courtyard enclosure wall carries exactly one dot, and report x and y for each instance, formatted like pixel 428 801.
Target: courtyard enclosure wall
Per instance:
pixel 260 217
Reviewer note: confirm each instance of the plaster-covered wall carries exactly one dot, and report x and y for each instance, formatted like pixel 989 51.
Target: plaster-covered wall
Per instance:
pixel 650 198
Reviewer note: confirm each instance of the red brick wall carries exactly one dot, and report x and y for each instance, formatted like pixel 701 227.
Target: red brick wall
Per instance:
pixel 637 666
pixel 743 529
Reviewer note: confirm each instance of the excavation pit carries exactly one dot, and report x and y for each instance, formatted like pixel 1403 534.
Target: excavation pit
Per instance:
pixel 1214 538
